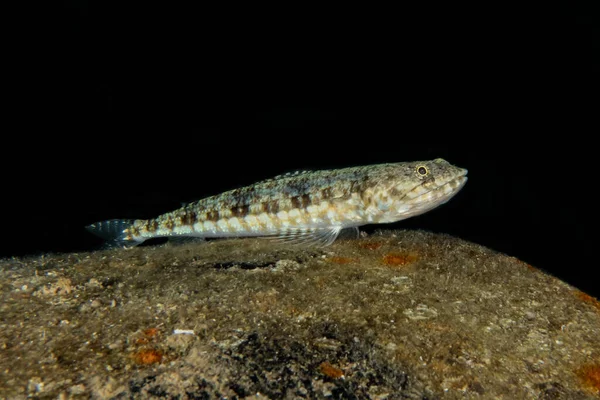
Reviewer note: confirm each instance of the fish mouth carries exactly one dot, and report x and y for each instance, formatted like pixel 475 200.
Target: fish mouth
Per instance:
pixel 444 192
pixel 434 197
pixel 453 186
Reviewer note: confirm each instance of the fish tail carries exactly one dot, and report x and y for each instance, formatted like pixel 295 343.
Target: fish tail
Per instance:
pixel 115 232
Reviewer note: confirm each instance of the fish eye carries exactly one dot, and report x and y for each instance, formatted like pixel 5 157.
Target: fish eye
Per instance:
pixel 422 170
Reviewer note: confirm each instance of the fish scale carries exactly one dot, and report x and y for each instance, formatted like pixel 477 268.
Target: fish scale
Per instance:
pixel 303 207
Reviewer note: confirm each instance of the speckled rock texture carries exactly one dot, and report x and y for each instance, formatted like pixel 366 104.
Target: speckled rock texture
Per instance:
pixel 397 315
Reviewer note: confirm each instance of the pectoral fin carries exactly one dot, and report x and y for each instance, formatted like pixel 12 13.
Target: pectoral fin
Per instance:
pixel 307 237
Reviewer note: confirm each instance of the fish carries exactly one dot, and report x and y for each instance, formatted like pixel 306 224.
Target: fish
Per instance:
pixel 305 207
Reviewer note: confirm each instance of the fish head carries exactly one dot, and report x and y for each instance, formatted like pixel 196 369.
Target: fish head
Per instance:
pixel 413 188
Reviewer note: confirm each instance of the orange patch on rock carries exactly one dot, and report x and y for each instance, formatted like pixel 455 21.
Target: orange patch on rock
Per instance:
pixel 146 336
pixel 586 298
pixel 146 357
pixel 329 370
pixel 399 258
pixel 529 266
pixel 371 246
pixel 341 260
pixel 151 332
pixel 590 376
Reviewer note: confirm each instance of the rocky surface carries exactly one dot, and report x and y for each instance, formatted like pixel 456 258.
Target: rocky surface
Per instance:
pixel 396 315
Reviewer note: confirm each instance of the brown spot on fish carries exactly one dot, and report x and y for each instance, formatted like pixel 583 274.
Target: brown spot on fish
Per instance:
pixel 326 193
pixel 169 223
pixel 240 211
pixel 188 218
pixel 305 200
pixel 152 225
pixel 271 207
pixel 296 202
pixel 212 215
pixel 358 185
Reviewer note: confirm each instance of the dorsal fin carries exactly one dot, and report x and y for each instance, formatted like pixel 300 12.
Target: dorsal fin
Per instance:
pixel 287 175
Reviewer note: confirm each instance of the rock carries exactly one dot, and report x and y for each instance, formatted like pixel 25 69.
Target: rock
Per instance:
pixel 399 314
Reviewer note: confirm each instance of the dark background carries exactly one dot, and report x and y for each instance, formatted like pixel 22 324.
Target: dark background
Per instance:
pixel 127 113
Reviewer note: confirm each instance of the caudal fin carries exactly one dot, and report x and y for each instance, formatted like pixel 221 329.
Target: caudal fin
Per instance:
pixel 114 231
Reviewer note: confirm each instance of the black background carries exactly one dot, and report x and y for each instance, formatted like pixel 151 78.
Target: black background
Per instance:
pixel 127 113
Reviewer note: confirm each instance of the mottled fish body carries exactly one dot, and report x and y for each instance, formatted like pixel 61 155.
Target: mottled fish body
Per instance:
pixel 306 207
